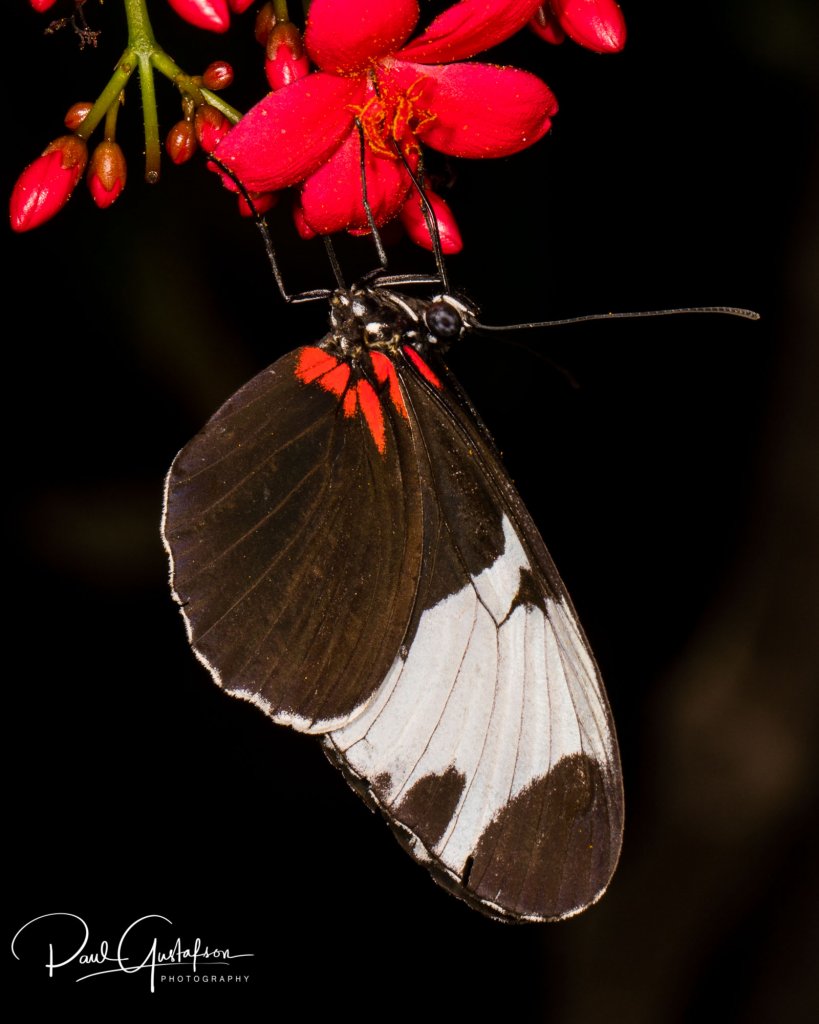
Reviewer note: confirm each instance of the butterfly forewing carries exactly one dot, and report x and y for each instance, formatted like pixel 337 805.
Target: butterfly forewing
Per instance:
pixel 287 529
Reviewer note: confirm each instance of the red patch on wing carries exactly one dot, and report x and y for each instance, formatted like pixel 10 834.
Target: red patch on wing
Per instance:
pixel 384 371
pixel 373 414
pixel 315 366
pixel 421 366
pixel 312 363
pixel 349 404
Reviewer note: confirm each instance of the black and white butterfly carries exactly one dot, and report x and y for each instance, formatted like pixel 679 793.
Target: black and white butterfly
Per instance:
pixel 351 556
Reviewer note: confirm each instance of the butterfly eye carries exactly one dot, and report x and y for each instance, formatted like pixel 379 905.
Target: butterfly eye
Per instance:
pixel 444 321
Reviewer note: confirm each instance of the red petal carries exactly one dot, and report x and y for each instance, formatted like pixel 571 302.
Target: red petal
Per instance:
pixel 413 219
pixel 546 25
pixel 262 202
pixel 598 25
pixel 303 228
pixel 469 27
pixel 332 200
pixel 239 6
pixel 348 36
pixel 210 14
pixel 481 110
pixel 283 139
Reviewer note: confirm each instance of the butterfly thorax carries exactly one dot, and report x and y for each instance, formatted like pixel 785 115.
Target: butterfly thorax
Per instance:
pixel 368 319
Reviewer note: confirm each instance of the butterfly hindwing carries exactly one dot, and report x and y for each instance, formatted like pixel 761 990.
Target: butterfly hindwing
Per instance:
pixel 490 746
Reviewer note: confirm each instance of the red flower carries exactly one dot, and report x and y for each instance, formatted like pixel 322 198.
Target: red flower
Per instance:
pixel 402 94
pixel 42 5
pixel 598 25
pixel 45 186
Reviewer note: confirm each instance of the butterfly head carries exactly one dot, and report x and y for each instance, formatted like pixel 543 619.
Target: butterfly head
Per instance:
pixel 373 318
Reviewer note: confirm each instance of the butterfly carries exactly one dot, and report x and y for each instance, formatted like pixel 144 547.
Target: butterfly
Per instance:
pixel 350 555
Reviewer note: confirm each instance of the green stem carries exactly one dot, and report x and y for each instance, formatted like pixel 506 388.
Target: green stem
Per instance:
pixel 111 120
pixel 109 95
pixel 150 119
pixel 146 55
pixel 280 10
pixel 142 42
pixel 186 84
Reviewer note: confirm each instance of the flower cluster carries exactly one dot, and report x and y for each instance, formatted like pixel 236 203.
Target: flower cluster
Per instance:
pixel 46 185
pixel 355 102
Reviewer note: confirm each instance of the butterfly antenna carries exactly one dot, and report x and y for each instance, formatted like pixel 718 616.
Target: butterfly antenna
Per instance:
pixel 747 314
pixel 261 224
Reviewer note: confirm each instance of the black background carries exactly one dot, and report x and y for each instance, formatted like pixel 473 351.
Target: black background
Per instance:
pixel 671 465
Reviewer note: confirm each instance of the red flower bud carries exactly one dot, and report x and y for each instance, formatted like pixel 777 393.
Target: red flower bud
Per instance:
pixel 210 14
pixel 265 23
pixel 413 219
pixel 76 115
pixel 285 60
pixel 240 6
pixel 262 202
pixel 217 75
pixel 181 142
pixel 42 5
pixel 45 186
pixel 546 25
pixel 107 172
pixel 598 25
pixel 211 127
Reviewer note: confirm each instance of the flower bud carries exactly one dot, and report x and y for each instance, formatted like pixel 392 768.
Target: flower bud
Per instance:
pixel 262 202
pixel 598 25
pixel 45 185
pixel 181 142
pixel 217 75
pixel 107 172
pixel 285 59
pixel 211 126
pixel 76 115
pixel 546 25
pixel 265 23
pixel 42 5
pixel 209 14
pixel 413 219
pixel 240 6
